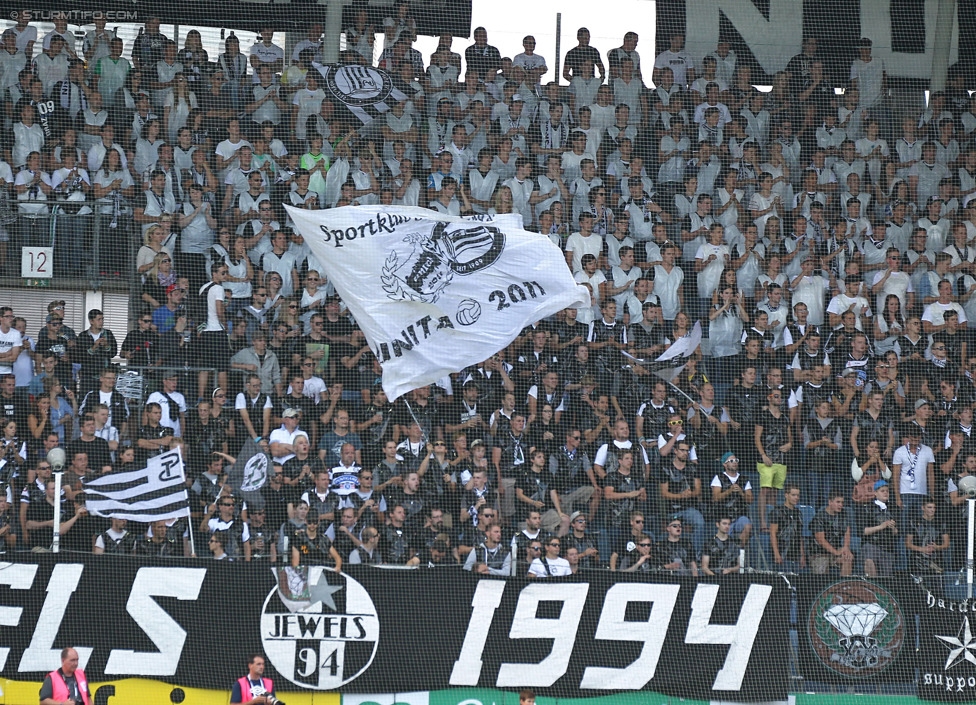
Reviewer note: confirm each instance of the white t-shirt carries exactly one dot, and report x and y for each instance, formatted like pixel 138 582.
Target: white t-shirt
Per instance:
pixel 579 246
pixel 214 294
pixel 169 419
pixel 914 469
pixel 558 567
pixel 281 435
pixel 8 341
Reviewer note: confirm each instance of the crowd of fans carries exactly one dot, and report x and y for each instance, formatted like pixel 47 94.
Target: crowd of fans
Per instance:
pixel 824 421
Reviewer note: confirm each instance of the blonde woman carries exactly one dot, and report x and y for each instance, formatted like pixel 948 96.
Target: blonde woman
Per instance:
pixel 152 245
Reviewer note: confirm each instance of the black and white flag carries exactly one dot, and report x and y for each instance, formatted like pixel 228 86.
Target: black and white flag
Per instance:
pixel 435 293
pixel 158 491
pixel 364 91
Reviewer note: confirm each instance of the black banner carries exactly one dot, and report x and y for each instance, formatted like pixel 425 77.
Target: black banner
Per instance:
pixel 433 17
pixel 947 649
pixel 193 623
pixel 856 630
pixel 765 34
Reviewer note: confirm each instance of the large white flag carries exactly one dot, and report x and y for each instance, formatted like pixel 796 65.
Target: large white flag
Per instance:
pixel 157 491
pixel 435 293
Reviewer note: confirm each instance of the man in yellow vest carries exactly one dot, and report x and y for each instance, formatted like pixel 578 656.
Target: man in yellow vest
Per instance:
pixel 67 685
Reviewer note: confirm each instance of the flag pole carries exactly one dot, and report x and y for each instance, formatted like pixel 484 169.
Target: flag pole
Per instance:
pixel 56 542
pixel 193 543
pixel 189 514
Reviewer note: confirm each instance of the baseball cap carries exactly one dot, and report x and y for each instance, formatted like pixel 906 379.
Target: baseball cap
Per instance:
pixel 52 317
pixel 171 288
pixel 879 484
pixel 477 442
pixel 574 515
pixel 291 413
pixel 920 403
pixel 171 374
pixel 517 98
pixel 727 457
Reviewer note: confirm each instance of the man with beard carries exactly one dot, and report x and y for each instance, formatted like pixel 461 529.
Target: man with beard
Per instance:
pixel 531 531
pixel 491 552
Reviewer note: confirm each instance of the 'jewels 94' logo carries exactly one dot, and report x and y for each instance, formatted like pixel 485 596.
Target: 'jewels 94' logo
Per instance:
pixel 319 628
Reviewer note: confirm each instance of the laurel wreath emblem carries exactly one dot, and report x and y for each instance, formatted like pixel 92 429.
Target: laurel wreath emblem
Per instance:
pixel 392 284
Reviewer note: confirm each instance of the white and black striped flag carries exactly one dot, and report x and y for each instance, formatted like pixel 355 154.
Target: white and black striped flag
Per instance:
pixel 158 491
pixel 364 91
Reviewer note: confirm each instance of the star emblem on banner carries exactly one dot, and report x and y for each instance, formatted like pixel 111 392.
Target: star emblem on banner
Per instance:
pixel 962 647
pixel 321 595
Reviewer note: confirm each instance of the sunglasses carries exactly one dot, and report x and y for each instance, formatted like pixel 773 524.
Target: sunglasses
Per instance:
pixel 146 320
pixel 645 545
pixel 674 423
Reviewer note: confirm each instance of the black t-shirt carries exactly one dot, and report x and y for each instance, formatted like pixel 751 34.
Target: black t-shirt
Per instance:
pixel 678 480
pixel 789 531
pixel 833 527
pixel 47 688
pixel 313 551
pixel 627 547
pixel 149 433
pixel 577 55
pixel 775 433
pixel 620 509
pixel 582 544
pixel 926 533
pixel 396 544
pixel 668 552
pixel 721 553
pixel 293 468
pixel 340 328
pixel 165 548
pixel 413 503
pixel 872 515
pixel 97 449
pixel 535 486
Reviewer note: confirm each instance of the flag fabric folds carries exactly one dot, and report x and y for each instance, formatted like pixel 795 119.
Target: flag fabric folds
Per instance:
pixel 157 491
pixel 249 473
pixel 436 293
pixel 365 91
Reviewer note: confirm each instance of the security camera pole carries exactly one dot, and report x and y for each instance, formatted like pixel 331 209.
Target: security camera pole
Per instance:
pixel 56 459
pixel 56 544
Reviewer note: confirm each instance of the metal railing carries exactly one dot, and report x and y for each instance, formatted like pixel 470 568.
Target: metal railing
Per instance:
pixel 106 243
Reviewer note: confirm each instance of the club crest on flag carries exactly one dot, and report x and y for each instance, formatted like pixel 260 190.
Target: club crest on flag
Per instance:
pixel 423 273
pixel 358 85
